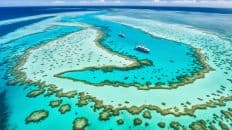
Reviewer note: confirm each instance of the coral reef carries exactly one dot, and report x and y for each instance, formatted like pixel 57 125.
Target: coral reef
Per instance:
pixel 37 116
pixel 80 123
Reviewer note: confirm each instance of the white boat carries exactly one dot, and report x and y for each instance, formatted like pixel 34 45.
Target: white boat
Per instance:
pixel 121 35
pixel 142 48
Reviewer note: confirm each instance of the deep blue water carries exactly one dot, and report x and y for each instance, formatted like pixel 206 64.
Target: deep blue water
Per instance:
pixel 13 26
pixel 10 12
pixel 16 12
pixel 3 110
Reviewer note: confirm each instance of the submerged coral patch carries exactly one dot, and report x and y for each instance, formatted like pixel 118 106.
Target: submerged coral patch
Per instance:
pixel 37 116
pixel 55 103
pixel 80 123
pixel 180 80
pixel 64 108
pixel 156 70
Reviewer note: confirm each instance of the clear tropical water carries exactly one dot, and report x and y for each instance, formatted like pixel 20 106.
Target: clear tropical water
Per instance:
pixel 170 60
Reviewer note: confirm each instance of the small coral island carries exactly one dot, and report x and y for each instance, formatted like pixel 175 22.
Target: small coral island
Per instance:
pixel 64 108
pixel 80 123
pixel 55 103
pixel 37 116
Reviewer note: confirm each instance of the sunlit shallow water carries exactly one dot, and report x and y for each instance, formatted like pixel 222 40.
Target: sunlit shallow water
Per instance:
pixel 176 57
pixel 171 60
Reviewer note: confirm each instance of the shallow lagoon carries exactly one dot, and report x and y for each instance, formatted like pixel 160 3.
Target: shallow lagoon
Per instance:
pixel 170 59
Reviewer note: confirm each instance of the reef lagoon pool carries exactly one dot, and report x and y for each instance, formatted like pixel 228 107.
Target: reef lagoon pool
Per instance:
pixel 115 68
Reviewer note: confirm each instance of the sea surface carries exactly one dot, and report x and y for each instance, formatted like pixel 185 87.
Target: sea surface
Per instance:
pixel 22 28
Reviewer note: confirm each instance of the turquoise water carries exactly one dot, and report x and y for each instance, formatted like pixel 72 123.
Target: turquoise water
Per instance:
pixel 201 20
pixel 18 46
pixel 9 53
pixel 171 60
